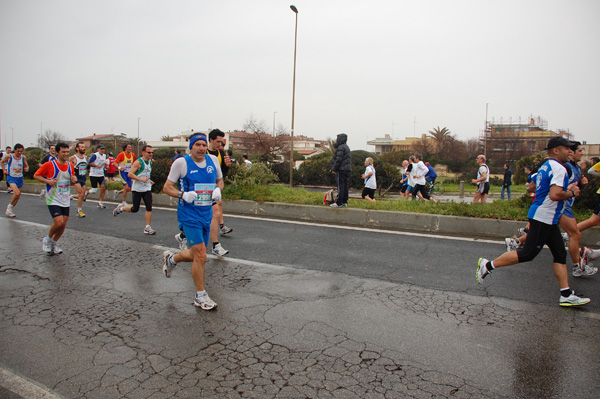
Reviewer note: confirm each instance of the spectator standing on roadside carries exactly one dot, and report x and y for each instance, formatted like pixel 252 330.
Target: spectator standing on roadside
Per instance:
pixel 341 166
pixel 482 181
pixel 370 180
pixel 178 155
pixel 507 181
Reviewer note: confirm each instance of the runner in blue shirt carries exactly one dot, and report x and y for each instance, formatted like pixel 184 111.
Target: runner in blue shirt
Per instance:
pixel 196 180
pixel 552 189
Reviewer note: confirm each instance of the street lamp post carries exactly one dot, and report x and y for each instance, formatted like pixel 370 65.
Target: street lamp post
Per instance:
pixel 274 112
pixel 295 10
pixel 138 146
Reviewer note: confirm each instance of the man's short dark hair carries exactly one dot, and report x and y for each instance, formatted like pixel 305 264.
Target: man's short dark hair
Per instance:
pixel 60 145
pixel 8 147
pixel 214 134
pixel 146 146
pixel 17 146
pixel 125 145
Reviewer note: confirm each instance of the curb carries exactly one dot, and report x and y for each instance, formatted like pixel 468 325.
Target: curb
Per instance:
pixel 390 220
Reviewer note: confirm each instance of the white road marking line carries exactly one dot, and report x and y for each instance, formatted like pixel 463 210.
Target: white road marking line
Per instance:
pixel 332 226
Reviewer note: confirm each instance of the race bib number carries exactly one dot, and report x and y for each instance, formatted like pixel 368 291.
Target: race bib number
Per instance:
pixel 204 194
pixel 82 170
pixel 18 172
pixel 63 186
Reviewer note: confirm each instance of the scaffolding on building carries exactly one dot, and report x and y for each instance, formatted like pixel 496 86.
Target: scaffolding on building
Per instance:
pixel 518 136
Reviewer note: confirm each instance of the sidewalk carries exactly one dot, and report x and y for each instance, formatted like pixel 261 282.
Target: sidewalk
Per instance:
pixel 95 326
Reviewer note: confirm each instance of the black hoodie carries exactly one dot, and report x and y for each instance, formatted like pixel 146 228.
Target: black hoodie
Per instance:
pixel 341 158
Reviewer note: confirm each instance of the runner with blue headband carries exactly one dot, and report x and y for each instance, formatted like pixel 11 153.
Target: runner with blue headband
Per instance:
pixel 196 180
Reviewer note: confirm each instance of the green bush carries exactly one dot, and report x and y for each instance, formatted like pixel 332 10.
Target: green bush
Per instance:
pixel 259 174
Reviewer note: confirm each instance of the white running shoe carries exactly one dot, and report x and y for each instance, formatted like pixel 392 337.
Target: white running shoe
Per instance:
pixel 584 256
pixel 149 230
pixel 182 241
pixel 572 300
pixel 482 270
pixel 56 249
pixel 522 231
pixel 167 265
pixel 118 210
pixel 511 244
pixel 101 205
pixel 219 250
pixel 589 270
pixel 225 230
pixel 204 302
pixel 47 246
pixel 10 213
pixel 42 194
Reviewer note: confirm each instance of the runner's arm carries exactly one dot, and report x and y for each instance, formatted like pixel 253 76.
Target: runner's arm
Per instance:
pixel 595 170
pixel 134 168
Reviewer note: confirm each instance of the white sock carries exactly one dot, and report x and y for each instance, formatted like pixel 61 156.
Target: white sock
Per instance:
pixel 595 254
pixel 78 209
pixel 201 293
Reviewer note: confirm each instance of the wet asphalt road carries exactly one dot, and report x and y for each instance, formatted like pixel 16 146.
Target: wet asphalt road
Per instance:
pixel 304 311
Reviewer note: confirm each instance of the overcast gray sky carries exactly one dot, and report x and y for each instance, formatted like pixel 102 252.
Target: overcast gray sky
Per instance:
pixel 365 68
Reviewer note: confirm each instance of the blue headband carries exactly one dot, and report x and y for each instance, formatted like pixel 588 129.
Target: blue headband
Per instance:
pixel 196 138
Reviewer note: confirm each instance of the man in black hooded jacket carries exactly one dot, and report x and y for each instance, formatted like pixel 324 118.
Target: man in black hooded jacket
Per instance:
pixel 341 166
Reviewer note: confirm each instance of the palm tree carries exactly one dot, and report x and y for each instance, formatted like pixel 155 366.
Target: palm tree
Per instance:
pixel 441 137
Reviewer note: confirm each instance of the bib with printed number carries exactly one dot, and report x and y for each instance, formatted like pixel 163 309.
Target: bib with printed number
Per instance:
pixel 204 194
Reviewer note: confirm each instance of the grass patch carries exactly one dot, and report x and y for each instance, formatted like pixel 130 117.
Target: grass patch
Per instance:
pixel 515 209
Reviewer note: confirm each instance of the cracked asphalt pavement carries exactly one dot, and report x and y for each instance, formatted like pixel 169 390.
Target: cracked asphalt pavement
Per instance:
pixel 101 321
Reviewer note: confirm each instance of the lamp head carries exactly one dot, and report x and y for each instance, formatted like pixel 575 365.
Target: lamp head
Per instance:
pixel 294 9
